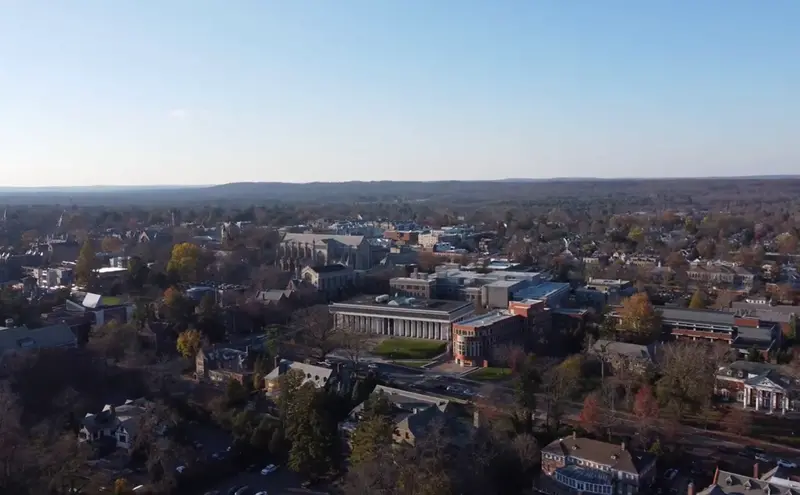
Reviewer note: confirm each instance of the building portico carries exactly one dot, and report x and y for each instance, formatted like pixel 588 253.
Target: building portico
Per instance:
pixel 765 395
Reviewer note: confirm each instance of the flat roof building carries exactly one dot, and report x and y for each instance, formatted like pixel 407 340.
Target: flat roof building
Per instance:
pixel 401 316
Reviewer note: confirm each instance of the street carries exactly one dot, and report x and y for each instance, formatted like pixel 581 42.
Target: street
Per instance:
pixel 281 482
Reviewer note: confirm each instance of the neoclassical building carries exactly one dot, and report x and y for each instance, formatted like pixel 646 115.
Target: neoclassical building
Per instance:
pixel 300 250
pixel 757 386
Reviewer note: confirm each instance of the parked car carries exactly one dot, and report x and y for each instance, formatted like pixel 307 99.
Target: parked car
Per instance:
pixel 670 474
pixel 262 493
pixel 245 490
pixel 787 464
pixel 269 469
pixel 762 458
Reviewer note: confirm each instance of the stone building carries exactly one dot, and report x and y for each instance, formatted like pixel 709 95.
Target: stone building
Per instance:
pixel 401 317
pixel 300 250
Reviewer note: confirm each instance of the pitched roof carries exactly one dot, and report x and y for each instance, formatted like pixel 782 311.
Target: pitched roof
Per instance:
pixel 728 483
pixel 609 454
pixel 348 240
pixel 307 369
pixel 51 336
pixel 419 422
pixel 623 348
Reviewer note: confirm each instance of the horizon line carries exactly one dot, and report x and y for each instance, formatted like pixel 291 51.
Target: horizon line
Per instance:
pixel 507 179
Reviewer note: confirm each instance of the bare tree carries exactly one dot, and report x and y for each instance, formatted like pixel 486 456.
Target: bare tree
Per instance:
pixel 315 329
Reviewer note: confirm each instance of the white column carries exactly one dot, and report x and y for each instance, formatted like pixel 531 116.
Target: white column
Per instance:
pixel 746 396
pixel 773 402
pixel 758 399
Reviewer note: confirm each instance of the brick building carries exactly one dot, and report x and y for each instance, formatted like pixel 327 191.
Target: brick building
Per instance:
pixel 475 339
pixel 584 466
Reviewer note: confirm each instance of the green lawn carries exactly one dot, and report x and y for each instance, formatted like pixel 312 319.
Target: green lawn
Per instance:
pixel 490 374
pixel 412 364
pixel 410 348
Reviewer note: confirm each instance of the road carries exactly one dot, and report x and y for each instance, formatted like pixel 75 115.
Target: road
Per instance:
pixel 282 482
pixel 706 443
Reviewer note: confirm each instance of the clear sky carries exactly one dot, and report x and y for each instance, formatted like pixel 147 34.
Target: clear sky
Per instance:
pixel 201 91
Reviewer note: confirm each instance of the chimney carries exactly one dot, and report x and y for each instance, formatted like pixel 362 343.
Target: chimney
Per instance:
pixel 622 446
pixel 476 419
pixel 574 435
pixel 690 488
pixel 755 470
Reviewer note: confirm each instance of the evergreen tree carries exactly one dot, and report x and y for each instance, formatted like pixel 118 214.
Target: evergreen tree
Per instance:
pixel 374 431
pixel 311 433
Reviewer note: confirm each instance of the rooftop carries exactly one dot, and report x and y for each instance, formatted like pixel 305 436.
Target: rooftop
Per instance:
pixel 410 303
pixel 39 338
pixel 541 291
pixel 336 267
pixel 708 316
pixel 348 240
pixel 610 454
pixel 486 319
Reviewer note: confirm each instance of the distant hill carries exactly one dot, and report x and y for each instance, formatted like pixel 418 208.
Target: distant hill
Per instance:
pixel 455 192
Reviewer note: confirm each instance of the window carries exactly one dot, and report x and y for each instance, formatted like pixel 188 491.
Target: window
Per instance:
pixel 123 438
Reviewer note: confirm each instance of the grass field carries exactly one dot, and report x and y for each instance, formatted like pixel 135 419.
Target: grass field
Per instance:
pixel 410 348
pixel 490 374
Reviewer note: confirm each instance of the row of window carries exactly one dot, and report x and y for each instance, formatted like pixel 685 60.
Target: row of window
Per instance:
pixel 582 485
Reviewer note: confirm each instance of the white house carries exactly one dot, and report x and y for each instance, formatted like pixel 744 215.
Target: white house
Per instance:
pixel 120 423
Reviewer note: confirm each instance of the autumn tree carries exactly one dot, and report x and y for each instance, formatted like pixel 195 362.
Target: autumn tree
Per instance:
pixel 87 262
pixel 189 343
pixel 738 422
pixel 526 382
pixel 687 375
pixel 176 307
pixel 185 261
pixel 111 244
pixel 698 300
pixel 645 407
pixel 638 319
pixel 561 383
pixel 590 413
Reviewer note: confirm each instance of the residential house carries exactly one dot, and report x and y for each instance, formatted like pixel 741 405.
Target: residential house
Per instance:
pixel 330 378
pixel 118 425
pixel 625 356
pixel 582 466
pixel 758 386
pixel 14 340
pixel 412 414
pixel 221 364
pixel 730 483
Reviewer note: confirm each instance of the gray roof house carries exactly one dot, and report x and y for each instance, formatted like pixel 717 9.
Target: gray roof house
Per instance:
pixel 22 338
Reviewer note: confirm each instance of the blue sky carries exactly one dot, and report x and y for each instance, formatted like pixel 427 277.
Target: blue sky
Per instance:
pixel 201 91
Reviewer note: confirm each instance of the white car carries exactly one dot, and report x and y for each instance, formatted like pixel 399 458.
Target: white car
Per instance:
pixel 269 469
pixel 787 464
